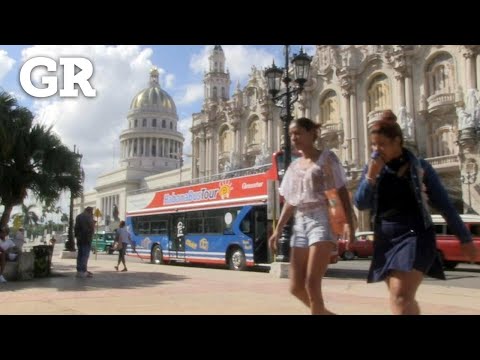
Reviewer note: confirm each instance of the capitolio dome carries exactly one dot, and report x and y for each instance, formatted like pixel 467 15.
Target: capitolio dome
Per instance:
pixel 153 98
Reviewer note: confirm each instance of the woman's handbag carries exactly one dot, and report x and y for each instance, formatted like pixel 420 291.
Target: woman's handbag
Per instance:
pixel 117 245
pixel 336 210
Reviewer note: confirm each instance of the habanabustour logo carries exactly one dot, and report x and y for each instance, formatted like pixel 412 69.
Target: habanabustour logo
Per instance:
pixel 76 70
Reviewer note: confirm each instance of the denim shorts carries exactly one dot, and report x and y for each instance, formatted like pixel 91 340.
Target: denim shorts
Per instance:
pixel 310 228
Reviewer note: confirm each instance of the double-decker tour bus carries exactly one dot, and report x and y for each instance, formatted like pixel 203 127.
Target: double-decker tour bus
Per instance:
pixel 221 221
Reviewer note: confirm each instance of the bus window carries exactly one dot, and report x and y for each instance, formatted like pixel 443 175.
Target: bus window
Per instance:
pixel 475 229
pixel 195 222
pixel 159 227
pixel 144 227
pixel 440 229
pixel 246 227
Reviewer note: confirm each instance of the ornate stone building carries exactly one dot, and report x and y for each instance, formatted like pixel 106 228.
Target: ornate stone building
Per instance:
pixel 433 89
pixel 236 132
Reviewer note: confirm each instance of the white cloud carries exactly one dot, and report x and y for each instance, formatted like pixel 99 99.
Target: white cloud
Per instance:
pixel 94 124
pixel 193 92
pixel 6 64
pixel 169 81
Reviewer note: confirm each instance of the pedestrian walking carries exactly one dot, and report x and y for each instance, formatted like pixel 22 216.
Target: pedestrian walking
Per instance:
pixel 303 189
pixel 395 186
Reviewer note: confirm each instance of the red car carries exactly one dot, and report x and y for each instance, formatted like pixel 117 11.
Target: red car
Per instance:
pixel 362 248
pixel 448 246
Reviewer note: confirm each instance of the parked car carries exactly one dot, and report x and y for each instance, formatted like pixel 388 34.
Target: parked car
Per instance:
pixel 448 245
pixel 362 248
pixel 103 241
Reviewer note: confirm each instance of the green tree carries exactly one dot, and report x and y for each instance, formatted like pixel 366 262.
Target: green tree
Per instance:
pixel 32 158
pixel 30 217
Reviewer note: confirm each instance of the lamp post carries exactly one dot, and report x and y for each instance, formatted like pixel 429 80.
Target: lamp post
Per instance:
pixel 285 100
pixel 70 243
pixel 469 178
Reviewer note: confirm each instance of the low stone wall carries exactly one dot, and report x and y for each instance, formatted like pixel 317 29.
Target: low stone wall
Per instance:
pixel 22 268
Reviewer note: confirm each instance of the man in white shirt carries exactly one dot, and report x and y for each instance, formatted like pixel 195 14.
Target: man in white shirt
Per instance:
pixel 6 245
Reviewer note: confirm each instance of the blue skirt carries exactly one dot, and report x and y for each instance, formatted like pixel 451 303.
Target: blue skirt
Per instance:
pixel 402 244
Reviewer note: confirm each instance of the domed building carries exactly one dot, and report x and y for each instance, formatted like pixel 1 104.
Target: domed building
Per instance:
pixel 151 149
pixel 151 140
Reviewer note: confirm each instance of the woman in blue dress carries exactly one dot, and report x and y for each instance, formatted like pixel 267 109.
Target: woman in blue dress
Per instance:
pixel 395 186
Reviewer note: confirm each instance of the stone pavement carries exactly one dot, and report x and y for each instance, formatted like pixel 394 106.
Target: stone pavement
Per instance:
pixel 180 289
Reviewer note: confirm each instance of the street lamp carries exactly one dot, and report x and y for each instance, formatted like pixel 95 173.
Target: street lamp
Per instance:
pixel 70 243
pixel 469 178
pixel 285 100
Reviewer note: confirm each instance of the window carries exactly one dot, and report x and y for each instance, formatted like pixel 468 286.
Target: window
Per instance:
pixel 144 123
pixel 440 74
pixel 154 123
pixel 164 124
pixel 135 123
pixel 171 125
pixel 194 221
pixel 329 108
pixel 159 227
pixel 154 150
pixel 475 229
pixel 379 94
pixel 215 92
pixel 253 136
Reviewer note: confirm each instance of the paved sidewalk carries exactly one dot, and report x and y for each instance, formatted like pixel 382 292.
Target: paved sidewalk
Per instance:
pixel 176 289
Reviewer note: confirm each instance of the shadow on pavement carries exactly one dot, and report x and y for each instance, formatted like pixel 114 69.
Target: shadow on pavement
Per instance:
pixel 347 274
pixel 63 277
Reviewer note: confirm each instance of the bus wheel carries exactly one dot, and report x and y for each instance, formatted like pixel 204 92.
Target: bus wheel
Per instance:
pixel 157 257
pixel 237 260
pixel 348 255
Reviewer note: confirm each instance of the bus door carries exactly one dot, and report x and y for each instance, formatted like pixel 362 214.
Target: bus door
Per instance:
pixel 260 235
pixel 177 236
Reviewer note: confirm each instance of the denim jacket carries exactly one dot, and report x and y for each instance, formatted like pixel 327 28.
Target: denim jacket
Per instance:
pixel 427 186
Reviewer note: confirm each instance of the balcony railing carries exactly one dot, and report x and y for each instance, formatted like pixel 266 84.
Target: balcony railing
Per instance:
pixel 445 162
pixel 331 128
pixel 439 100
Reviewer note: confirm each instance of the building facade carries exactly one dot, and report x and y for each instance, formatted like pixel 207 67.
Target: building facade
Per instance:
pixel 433 89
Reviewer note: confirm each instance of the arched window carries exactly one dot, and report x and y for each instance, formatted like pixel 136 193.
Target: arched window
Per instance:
pixel 164 124
pixel 440 79
pixel 144 123
pixel 135 123
pixel 225 137
pixel 329 108
pixel 154 123
pixel 215 92
pixel 253 136
pixel 379 94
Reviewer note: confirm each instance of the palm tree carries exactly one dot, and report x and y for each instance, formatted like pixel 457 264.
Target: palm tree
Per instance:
pixel 29 217
pixel 32 158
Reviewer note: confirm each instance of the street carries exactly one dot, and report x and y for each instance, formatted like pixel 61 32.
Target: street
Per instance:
pixel 464 276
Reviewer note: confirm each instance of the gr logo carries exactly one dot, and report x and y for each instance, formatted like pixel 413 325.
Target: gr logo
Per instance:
pixel 70 77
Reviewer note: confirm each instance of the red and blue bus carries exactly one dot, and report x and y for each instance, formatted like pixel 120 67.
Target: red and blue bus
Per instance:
pixel 223 221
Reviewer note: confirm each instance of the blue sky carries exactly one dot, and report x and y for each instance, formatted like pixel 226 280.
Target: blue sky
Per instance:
pixel 120 72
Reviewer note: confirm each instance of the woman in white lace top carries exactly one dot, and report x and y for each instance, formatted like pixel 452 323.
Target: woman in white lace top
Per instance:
pixel 303 188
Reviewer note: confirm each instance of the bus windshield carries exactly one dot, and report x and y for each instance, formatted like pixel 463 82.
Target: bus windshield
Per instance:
pixel 280 160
